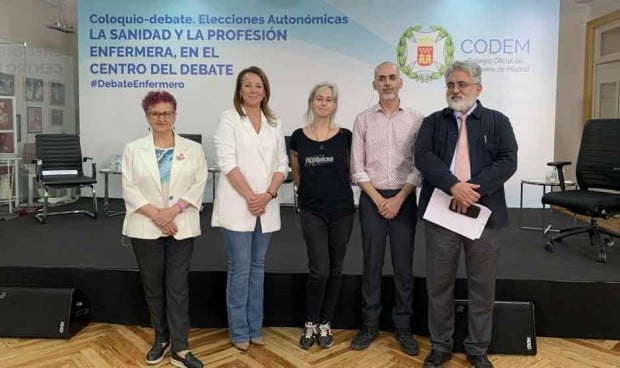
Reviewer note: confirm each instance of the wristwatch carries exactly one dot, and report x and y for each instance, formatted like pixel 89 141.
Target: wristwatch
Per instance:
pixel 272 194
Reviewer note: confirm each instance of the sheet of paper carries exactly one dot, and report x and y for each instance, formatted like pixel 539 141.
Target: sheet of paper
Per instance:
pixel 438 212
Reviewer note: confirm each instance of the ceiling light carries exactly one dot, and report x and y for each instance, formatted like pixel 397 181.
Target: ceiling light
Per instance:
pixel 60 25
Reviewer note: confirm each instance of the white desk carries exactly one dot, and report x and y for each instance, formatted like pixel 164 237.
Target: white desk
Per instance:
pixel 106 198
pixel 11 162
pixel 544 183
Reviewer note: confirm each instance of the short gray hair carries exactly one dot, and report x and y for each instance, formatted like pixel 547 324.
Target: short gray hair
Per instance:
pixel 468 67
pixel 387 63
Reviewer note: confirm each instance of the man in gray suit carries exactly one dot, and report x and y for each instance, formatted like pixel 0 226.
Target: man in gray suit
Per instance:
pixel 469 152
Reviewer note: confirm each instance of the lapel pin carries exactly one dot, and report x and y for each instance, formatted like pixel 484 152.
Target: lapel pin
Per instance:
pixel 180 157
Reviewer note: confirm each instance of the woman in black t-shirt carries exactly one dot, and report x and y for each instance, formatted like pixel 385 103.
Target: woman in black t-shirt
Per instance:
pixel 319 157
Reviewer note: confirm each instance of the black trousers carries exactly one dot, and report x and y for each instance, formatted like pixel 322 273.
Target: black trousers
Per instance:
pixel 164 266
pixel 401 232
pixel 326 240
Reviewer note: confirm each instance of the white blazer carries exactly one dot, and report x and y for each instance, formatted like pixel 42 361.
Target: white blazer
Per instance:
pixel 142 185
pixel 258 156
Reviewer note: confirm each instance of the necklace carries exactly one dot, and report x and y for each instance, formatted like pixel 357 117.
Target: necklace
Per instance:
pixel 318 139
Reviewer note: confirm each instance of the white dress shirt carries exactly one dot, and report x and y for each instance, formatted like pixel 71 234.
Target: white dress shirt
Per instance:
pixel 382 147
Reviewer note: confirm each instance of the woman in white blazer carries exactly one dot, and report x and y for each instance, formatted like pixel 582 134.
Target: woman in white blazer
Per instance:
pixel 164 177
pixel 251 154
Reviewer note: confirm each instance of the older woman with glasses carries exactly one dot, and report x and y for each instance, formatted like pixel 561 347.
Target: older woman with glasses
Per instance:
pixel 164 177
pixel 252 157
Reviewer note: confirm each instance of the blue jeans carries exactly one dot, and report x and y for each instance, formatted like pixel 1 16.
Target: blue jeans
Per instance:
pixel 244 287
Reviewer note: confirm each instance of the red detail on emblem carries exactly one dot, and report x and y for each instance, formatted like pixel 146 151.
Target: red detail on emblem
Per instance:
pixel 425 55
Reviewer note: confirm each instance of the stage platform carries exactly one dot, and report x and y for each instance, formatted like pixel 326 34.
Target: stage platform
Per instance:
pixel 574 296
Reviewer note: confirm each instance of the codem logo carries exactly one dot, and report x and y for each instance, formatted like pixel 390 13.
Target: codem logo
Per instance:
pixel 424 55
pixel 528 343
pixel 61 327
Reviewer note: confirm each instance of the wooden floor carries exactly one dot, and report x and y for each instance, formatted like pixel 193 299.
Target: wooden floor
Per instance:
pixel 104 345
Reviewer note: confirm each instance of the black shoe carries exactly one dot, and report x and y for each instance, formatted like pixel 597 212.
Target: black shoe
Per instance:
pixel 406 340
pixel 308 335
pixel 363 338
pixel 157 352
pixel 325 337
pixel 435 359
pixel 190 361
pixel 479 361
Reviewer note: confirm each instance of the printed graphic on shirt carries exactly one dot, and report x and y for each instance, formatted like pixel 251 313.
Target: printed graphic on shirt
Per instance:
pixel 164 162
pixel 318 160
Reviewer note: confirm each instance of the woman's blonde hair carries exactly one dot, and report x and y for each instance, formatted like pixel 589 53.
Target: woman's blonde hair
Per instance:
pixel 309 113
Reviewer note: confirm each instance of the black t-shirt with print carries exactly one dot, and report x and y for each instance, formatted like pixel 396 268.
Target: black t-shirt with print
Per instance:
pixel 324 187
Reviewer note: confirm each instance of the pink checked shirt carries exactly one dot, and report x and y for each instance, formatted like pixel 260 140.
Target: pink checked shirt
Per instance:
pixel 382 148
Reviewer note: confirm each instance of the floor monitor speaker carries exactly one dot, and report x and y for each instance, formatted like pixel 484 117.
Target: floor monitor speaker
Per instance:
pixel 514 329
pixel 42 312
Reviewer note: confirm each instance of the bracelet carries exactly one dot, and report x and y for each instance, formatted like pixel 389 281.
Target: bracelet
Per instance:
pixel 272 194
pixel 181 206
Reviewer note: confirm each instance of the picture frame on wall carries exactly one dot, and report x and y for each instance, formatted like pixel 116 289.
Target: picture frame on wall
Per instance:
pixel 7 84
pixel 34 90
pixel 7 126
pixel 56 119
pixel 7 142
pixel 7 107
pixel 57 94
pixel 18 127
pixel 35 119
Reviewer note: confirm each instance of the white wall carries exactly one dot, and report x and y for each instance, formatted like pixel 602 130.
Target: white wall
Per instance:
pixel 569 100
pixel 25 21
pixel 600 8
pixel 50 55
pixel 574 15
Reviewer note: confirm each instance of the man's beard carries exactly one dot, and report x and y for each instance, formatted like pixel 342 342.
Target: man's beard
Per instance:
pixel 462 104
pixel 388 95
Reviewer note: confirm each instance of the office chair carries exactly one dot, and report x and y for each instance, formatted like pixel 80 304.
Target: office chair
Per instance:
pixel 598 180
pixel 289 178
pixel 59 165
pixel 198 139
pixel 193 137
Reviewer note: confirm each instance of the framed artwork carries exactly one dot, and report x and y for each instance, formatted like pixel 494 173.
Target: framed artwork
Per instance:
pixel 7 84
pixel 57 94
pixel 6 113
pixel 34 90
pixel 7 142
pixel 56 117
pixel 7 125
pixel 18 127
pixel 35 119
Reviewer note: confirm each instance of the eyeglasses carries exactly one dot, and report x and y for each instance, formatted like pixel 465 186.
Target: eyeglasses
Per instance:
pixel 462 85
pixel 164 114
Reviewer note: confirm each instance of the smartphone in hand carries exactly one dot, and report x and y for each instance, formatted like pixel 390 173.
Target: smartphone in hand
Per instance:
pixel 472 211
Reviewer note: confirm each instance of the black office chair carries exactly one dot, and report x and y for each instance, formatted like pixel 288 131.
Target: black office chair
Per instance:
pixel 289 178
pixel 194 137
pixel 598 168
pixel 59 165
pixel 198 139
